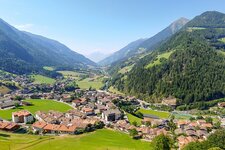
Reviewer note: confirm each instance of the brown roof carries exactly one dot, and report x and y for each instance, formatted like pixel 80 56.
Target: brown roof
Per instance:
pixel 53 127
pixel 22 113
pixel 11 125
pixel 85 109
pixel 3 125
pixel 39 124
pixel 67 128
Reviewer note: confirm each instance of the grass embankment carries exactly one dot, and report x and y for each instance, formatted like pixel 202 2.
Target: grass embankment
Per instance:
pixel 38 104
pixel 133 118
pixel 39 79
pixel 99 140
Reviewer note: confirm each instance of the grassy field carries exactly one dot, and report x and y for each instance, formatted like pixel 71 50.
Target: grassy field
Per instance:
pixel 90 82
pixel 39 79
pixel 4 90
pixel 71 74
pixel 133 118
pixel 48 68
pixel 157 61
pixel 159 114
pixel 126 69
pixel 100 140
pixel 43 105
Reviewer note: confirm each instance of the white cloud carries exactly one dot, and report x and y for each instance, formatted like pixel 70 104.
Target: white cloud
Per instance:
pixel 25 27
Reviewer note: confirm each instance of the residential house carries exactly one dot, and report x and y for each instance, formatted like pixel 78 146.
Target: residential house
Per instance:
pixel 88 111
pixel 22 116
pixel 111 115
pixel 39 126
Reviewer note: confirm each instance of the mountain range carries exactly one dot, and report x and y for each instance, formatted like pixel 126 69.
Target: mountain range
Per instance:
pixel 143 45
pixel 23 52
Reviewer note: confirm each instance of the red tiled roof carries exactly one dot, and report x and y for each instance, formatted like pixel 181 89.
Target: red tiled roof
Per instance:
pixel 22 113
pixel 39 124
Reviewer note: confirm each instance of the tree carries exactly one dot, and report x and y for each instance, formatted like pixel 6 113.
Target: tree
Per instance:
pixel 133 132
pixel 215 148
pixel 194 146
pixel 191 118
pixel 162 142
pixel 172 125
pixel 217 125
pixel 217 139
pixel 208 119
pixel 135 123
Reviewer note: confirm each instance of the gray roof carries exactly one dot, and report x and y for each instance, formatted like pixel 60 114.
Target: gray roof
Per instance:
pixel 112 111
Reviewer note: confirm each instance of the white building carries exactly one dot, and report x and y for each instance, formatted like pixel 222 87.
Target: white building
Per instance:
pixel 22 116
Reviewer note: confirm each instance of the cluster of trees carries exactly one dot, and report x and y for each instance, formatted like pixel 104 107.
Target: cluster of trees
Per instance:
pixel 200 105
pixel 128 107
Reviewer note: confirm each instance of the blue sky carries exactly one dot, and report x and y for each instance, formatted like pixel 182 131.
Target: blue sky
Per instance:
pixel 87 26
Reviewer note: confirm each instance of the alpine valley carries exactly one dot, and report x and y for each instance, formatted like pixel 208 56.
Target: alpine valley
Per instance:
pixel 165 92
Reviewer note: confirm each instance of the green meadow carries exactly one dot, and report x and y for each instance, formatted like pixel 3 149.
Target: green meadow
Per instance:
pixel 48 68
pixel 157 61
pixel 38 104
pixel 160 114
pixel 39 79
pixel 99 140
pixel 133 118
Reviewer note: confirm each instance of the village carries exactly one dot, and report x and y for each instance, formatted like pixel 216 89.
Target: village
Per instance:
pixel 95 109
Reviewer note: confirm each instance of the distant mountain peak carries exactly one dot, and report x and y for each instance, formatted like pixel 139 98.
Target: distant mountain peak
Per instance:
pixel 179 23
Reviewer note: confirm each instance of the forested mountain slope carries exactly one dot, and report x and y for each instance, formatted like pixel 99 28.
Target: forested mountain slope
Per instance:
pixel 189 66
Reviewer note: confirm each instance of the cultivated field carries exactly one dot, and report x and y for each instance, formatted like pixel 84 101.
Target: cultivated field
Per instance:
pixel 99 140
pixel 39 79
pixel 43 105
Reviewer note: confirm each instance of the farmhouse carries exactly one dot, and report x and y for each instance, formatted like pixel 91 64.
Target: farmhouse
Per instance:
pixel 22 116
